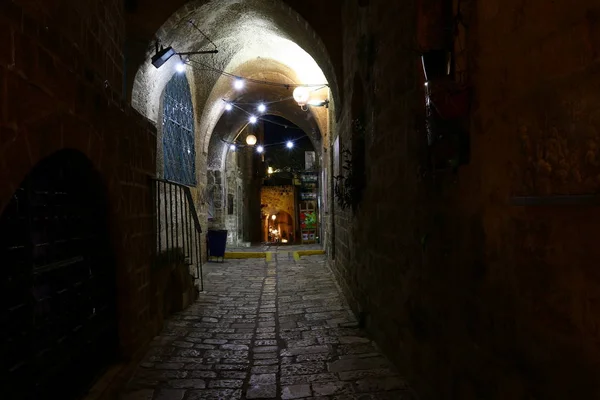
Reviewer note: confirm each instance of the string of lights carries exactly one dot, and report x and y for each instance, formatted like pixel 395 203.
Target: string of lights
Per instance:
pixel 272 101
pixel 239 80
pixel 301 92
pixel 254 118
pixel 286 142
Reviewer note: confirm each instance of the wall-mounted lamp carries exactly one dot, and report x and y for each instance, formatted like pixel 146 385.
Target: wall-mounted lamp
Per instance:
pixel 301 95
pixel 163 55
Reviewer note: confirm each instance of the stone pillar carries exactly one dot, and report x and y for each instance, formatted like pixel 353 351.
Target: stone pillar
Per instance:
pixel 252 174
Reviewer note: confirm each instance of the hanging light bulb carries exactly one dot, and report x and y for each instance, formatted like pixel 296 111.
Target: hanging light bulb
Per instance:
pixel 262 108
pixel 301 95
pixel 250 140
pixel 232 147
pixel 238 84
pixel 260 149
pixel 253 119
pixel 289 144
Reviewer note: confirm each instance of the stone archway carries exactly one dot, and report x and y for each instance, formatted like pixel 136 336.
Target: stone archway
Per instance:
pixel 58 281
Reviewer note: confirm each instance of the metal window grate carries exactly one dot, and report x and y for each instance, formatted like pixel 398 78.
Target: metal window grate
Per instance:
pixel 178 132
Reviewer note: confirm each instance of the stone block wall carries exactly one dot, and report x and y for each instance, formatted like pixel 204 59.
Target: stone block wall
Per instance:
pixel 60 87
pixel 278 198
pixel 234 206
pixel 474 298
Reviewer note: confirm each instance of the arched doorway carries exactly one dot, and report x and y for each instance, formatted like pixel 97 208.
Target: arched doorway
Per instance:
pixel 58 312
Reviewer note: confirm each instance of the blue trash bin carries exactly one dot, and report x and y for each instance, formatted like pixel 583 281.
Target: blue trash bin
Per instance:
pixel 217 241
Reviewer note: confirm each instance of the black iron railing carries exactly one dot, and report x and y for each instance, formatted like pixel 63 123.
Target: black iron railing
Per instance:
pixel 178 230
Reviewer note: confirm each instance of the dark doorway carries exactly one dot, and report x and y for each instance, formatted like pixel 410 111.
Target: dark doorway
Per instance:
pixel 57 275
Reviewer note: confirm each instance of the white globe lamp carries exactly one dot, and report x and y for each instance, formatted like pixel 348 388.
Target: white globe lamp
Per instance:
pixel 301 95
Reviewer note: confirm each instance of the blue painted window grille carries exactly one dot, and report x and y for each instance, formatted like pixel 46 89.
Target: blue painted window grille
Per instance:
pixel 178 132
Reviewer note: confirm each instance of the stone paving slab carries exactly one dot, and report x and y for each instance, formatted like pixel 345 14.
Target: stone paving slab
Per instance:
pixel 266 330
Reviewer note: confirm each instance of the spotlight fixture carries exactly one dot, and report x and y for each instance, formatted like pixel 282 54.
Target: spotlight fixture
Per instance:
pixel 238 84
pixel 162 56
pixel 260 149
pixel 253 119
pixel 232 147
pixel 289 144
pixel 262 108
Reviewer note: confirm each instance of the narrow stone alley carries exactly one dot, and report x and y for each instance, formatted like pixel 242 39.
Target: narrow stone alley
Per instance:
pixel 275 329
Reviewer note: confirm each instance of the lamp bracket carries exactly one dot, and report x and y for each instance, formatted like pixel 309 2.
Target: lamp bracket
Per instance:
pixel 191 53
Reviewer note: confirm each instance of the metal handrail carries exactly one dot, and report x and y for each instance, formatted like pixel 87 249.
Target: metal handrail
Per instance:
pixel 179 223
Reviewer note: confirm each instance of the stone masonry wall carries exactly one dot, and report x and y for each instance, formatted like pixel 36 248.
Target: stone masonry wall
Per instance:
pixel 60 87
pixel 233 221
pixel 277 198
pixel 472 297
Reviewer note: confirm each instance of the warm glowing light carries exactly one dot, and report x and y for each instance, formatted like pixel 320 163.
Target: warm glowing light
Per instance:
pixel 284 240
pixel 238 84
pixel 253 119
pixel 180 67
pixel 290 144
pixel 301 95
pixel 270 170
pixel 260 149
pixel 274 217
pixel 250 140
pixel 232 147
pixel 262 108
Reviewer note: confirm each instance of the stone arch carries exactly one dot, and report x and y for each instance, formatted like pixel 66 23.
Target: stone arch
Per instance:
pixel 281 24
pixel 147 23
pixel 58 277
pixel 228 129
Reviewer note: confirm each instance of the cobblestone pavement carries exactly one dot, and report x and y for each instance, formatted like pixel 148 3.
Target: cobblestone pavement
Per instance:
pixel 276 330
pixel 274 247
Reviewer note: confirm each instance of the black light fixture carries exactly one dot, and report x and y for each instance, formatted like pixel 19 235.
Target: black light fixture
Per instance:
pixel 163 55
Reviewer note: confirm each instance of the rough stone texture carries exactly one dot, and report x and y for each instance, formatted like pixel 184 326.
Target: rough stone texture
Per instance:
pixel 254 308
pixel 474 299
pixel 471 297
pixel 60 87
pixel 277 198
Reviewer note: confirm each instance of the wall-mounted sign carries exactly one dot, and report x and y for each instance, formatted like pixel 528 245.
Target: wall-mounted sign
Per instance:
pixel 309 159
pixel 308 219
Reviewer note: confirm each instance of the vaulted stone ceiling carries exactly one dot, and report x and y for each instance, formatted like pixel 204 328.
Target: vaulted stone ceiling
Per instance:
pixel 260 39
